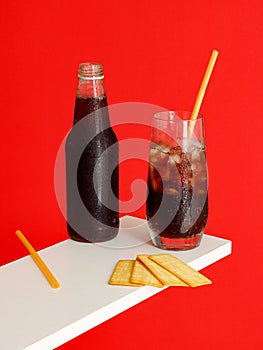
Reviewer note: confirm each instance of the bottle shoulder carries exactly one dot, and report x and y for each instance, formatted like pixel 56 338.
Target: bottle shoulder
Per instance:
pixel 92 144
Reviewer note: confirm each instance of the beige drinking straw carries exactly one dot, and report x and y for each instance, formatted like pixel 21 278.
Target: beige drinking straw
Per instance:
pixel 202 90
pixel 40 263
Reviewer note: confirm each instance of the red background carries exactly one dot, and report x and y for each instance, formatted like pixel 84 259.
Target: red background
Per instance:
pixel 154 52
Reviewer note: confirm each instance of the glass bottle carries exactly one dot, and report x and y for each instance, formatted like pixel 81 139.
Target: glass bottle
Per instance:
pixel 92 162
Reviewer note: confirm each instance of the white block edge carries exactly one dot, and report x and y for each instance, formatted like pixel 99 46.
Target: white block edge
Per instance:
pixel 140 294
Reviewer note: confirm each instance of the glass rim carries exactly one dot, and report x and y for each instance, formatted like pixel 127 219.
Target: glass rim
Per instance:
pixel 181 114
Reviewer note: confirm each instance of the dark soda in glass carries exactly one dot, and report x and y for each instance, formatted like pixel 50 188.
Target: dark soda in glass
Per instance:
pixel 177 202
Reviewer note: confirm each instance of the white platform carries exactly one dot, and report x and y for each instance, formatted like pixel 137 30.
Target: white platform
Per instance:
pixel 34 316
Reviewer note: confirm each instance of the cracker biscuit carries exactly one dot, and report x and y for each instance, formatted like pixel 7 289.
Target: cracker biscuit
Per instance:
pixel 142 275
pixel 180 269
pixel 122 274
pixel 166 277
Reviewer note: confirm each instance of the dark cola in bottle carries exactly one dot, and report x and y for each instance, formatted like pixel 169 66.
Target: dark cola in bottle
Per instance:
pixel 92 163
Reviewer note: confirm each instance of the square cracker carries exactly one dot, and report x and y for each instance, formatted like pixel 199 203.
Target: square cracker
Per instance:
pixel 142 275
pixel 166 277
pixel 122 274
pixel 180 269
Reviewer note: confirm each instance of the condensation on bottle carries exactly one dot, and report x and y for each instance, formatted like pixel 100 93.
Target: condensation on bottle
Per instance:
pixel 92 170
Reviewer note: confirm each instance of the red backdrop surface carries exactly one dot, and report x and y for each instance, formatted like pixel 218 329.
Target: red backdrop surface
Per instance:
pixel 154 52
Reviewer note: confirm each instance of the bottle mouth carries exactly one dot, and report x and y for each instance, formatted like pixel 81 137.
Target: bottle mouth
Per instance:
pixel 90 71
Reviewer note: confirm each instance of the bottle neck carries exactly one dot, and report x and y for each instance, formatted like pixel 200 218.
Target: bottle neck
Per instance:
pixel 90 88
pixel 91 101
pixel 91 97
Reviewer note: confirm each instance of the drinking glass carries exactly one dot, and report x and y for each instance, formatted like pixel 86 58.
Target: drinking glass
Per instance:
pixel 177 201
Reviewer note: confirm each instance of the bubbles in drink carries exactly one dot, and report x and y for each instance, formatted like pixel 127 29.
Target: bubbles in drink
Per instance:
pixel 177 199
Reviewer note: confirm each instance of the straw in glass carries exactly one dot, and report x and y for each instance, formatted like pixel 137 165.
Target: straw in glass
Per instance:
pixel 201 92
